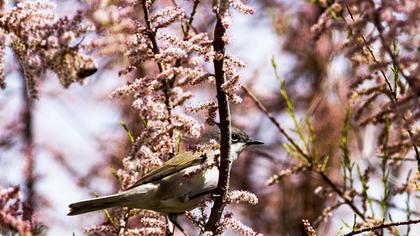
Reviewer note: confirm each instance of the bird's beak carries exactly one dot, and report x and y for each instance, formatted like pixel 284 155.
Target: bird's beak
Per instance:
pixel 253 141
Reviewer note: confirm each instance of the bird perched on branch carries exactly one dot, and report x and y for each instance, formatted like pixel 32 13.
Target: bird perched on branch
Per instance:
pixel 179 185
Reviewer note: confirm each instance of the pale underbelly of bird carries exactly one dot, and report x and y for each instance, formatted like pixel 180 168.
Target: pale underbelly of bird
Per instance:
pixel 176 193
pixel 173 194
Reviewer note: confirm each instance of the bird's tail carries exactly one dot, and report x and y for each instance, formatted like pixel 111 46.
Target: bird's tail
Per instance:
pixel 95 204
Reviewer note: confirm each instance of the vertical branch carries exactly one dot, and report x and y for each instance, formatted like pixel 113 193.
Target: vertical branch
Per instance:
pixel 151 34
pixel 27 138
pixel 2 51
pixel 224 115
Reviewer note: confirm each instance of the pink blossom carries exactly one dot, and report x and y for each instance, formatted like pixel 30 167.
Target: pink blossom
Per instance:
pixel 244 9
pixel 237 196
pixel 36 38
pixel 167 16
pixel 11 211
pixel 237 226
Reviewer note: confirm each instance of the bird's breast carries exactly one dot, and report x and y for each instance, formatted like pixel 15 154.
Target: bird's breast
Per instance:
pixel 185 190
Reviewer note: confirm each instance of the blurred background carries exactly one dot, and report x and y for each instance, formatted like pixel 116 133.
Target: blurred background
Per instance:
pixel 75 137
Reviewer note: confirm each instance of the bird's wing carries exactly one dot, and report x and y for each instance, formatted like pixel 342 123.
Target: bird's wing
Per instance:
pixel 173 165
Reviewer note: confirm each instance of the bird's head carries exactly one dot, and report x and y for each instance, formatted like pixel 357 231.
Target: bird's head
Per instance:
pixel 239 139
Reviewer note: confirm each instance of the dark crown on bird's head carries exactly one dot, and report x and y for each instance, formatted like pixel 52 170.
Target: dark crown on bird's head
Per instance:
pixel 237 136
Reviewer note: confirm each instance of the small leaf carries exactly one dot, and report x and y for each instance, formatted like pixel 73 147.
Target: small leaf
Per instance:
pixel 345 224
pixel 109 217
pixel 143 121
pixel 114 173
pixel 130 136
pixel 325 160
pixel 179 142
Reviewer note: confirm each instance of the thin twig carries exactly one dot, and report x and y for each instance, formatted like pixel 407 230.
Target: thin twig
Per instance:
pixel 368 48
pixel 326 213
pixel 151 34
pixel 382 226
pixel 391 205
pixel 394 59
pixel 273 120
pixel 190 20
pixel 185 32
pixel 322 174
pixel 400 158
pixel 341 194
pixel 396 63
pixel 410 80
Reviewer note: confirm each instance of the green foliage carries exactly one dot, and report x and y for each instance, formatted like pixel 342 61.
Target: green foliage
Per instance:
pixel 345 224
pixel 109 217
pixel 106 212
pixel 179 143
pixel 114 173
pixel 324 160
pixel 365 187
pixel 143 121
pixel 344 146
pixel 309 142
pixel 127 130
pixel 385 171
pixel 394 69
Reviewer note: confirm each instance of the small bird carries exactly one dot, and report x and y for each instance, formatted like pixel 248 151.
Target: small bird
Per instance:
pixel 172 188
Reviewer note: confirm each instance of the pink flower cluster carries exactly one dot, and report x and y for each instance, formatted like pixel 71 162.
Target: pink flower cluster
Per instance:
pixel 112 19
pixel 165 66
pixel 237 196
pixel 244 9
pixel 40 41
pixel 167 16
pixel 235 225
pixel 11 212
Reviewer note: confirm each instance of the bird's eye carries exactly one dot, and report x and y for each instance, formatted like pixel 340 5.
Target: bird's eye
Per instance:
pixel 235 138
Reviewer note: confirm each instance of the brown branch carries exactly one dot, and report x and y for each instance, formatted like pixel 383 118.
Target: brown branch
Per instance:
pixel 186 31
pixel 189 25
pixel 322 174
pixel 341 194
pixel 396 63
pixel 326 213
pixel 411 81
pixel 225 123
pixel 416 150
pixel 151 34
pixel 382 226
pixel 273 120
pixel 394 59
pixel 28 144
pixel 368 48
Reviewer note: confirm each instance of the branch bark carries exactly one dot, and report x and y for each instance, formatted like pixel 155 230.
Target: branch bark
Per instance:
pixel 382 226
pixel 273 120
pixel 225 123
pixel 151 34
pixel 27 138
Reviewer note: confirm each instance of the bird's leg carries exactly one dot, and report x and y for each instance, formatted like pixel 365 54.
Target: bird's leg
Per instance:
pixel 172 218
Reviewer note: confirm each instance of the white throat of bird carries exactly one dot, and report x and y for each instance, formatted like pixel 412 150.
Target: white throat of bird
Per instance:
pixel 236 149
